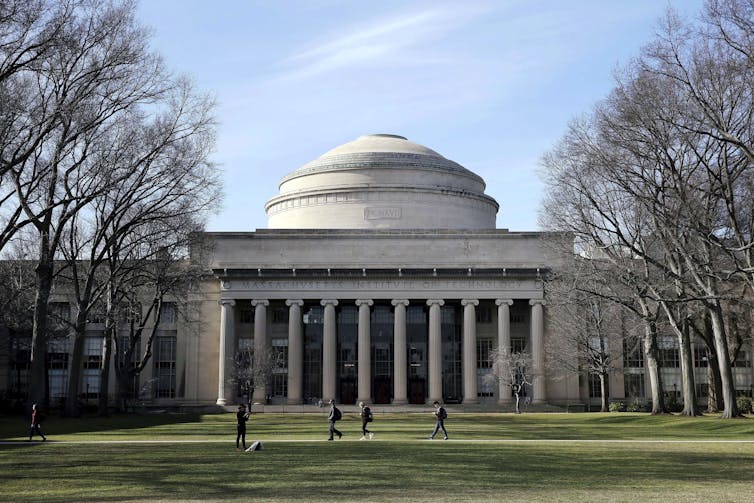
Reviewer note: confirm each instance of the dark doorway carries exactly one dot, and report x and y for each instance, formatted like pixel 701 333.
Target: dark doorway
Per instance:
pixel 348 390
pixel 382 390
pixel 417 390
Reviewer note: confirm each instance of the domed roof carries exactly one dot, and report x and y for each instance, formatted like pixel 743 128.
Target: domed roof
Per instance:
pixel 380 150
pixel 382 181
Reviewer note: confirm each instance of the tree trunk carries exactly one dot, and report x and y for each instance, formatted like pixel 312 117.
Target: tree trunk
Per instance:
pixel 726 372
pixel 104 377
pixel 74 367
pixel 38 371
pixel 603 388
pixel 653 367
pixel 687 372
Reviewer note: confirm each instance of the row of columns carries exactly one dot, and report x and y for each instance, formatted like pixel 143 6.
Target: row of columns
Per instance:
pixel 400 377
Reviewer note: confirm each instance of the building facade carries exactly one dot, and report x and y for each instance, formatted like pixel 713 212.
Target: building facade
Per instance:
pixel 381 277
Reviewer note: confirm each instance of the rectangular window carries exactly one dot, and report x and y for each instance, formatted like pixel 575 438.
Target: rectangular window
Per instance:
pixel 168 313
pixel 280 315
pixel 92 363
pixel 633 354
pixel 123 346
pixel 595 389
pixel 246 315
pixel 59 315
pixel 483 350
pixel 633 385
pixel 669 353
pixel 165 367
pixel 518 344
pixel 484 314
pixel 700 355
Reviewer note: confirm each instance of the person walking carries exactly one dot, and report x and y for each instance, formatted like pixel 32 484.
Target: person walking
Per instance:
pixel 441 414
pixel 241 416
pixel 366 417
pixel 36 423
pixel 335 415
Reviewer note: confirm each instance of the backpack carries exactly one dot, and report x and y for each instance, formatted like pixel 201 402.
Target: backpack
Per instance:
pixel 336 414
pixel 442 413
pixel 368 414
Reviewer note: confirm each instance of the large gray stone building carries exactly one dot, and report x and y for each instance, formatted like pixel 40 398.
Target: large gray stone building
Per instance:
pixel 381 278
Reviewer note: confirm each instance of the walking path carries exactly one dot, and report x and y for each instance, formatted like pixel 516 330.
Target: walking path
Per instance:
pixel 465 441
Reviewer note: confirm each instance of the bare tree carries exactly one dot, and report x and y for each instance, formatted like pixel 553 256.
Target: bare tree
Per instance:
pixel 252 370
pixel 512 370
pixel 590 328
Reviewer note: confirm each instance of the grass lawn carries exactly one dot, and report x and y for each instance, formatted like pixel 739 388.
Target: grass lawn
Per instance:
pixel 489 457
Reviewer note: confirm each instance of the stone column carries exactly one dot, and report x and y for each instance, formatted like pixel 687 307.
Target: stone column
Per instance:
pixel 226 335
pixel 435 349
pixel 504 349
pixel 295 352
pixel 261 349
pixel 469 351
pixel 538 350
pixel 365 351
pixel 329 350
pixel 400 351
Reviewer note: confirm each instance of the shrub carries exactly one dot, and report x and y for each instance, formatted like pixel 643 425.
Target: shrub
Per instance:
pixel 636 406
pixel 744 404
pixel 617 406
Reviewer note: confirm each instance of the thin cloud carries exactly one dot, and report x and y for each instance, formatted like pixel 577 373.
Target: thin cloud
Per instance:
pixel 379 42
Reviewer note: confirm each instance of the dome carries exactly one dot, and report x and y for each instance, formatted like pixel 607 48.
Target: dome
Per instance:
pixel 381 181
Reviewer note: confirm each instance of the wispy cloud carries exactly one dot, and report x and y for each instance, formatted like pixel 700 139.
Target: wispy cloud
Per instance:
pixel 381 41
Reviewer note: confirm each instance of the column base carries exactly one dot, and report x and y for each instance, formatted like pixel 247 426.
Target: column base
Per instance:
pixel 366 401
pixel 294 401
pixel 470 401
pixel 505 401
pixel 400 401
pixel 221 401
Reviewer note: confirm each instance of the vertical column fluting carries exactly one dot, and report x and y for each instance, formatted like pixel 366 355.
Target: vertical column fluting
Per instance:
pixel 400 352
pixel 365 351
pixel 262 357
pixel 469 351
pixel 435 349
pixel 226 336
pixel 295 352
pixel 329 349
pixel 538 350
pixel 504 351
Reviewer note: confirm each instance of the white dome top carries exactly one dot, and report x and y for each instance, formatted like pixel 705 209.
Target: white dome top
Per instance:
pixel 382 181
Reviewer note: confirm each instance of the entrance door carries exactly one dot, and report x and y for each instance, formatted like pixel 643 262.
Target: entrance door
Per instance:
pixel 348 391
pixel 417 390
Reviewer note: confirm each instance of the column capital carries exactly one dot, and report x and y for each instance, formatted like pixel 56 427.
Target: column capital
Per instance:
pixel 500 302
pixel 227 302
pixel 328 302
pixel 401 302
pixel 260 302
pixel 466 302
pixel 294 302
pixel 361 302
pixel 534 302
pixel 439 302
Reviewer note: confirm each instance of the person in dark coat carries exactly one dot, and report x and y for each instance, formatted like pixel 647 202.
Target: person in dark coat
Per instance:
pixel 241 416
pixel 440 414
pixel 332 418
pixel 36 423
pixel 366 417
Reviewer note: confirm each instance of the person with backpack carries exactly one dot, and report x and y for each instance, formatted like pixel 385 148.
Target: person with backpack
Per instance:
pixel 441 414
pixel 36 423
pixel 366 417
pixel 335 415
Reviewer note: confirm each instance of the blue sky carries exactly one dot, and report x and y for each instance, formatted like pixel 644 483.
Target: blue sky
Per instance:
pixel 488 84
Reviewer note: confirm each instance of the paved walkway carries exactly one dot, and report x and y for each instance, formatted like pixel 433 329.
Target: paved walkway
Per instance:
pixel 465 441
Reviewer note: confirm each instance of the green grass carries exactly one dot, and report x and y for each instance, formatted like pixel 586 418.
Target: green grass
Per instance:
pixel 490 457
